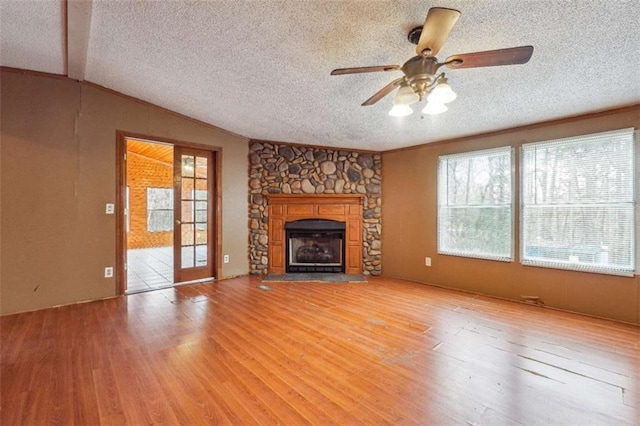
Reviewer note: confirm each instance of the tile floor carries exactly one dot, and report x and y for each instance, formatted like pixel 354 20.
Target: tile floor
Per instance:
pixel 149 269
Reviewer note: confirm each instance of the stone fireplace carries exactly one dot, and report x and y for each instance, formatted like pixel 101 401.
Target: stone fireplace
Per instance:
pixel 277 169
pixel 314 245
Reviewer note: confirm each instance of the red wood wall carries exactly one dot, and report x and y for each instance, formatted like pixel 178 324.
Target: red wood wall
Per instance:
pixel 144 172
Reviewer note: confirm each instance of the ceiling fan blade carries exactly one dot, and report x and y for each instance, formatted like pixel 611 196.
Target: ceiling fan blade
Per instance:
pixel 357 70
pixel 383 92
pixel 492 58
pixel 436 29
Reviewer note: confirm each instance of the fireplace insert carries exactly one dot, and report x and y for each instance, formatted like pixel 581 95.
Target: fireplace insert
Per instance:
pixel 315 245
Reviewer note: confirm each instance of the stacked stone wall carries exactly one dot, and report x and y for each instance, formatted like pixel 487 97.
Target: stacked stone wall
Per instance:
pixel 289 169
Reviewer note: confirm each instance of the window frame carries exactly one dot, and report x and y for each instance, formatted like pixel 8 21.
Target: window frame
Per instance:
pixel 511 205
pixel 582 267
pixel 170 209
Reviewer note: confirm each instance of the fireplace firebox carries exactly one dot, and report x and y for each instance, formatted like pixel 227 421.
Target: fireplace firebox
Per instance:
pixel 315 245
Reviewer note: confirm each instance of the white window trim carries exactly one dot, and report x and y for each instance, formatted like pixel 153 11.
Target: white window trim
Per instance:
pixel 624 272
pixel 511 206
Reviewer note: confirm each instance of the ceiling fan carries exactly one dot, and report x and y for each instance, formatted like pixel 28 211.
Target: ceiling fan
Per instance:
pixel 421 78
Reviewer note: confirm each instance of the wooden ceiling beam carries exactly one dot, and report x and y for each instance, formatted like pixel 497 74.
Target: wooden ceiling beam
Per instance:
pixel 78 29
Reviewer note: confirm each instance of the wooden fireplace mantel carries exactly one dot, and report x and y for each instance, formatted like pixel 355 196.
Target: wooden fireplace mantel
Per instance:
pixel 285 208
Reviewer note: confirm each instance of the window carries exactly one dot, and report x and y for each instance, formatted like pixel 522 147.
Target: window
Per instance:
pixel 159 209
pixel 578 203
pixel 474 204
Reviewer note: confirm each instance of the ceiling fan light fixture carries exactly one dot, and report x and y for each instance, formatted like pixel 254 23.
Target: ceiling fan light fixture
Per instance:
pixel 422 79
pixel 433 108
pixel 405 96
pixel 442 94
pixel 400 110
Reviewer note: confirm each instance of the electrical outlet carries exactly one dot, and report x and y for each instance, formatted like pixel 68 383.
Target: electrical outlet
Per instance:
pixel 108 272
pixel 110 208
pixel 427 261
pixel 225 258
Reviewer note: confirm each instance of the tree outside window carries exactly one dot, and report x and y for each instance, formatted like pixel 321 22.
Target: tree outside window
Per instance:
pixel 474 204
pixel 578 203
pixel 159 209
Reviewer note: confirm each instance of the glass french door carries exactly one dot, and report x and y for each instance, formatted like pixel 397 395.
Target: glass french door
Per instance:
pixel 193 209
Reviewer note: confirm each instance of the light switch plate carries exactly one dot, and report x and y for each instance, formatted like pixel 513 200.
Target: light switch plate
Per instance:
pixel 108 272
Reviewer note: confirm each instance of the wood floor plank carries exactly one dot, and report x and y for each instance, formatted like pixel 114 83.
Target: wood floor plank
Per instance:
pixel 196 396
pixel 284 377
pixel 110 408
pixel 341 375
pixel 386 351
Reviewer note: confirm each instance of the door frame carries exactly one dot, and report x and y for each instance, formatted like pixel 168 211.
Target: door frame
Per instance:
pixel 121 180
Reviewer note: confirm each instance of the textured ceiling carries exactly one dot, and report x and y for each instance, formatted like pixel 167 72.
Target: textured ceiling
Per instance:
pixel 32 35
pixel 261 68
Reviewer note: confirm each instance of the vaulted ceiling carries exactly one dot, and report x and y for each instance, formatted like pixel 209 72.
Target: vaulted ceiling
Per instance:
pixel 261 69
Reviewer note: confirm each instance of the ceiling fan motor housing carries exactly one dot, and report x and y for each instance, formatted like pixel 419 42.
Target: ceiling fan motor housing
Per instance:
pixel 420 73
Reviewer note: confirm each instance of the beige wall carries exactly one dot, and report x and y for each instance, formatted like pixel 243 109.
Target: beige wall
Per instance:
pixel 409 216
pixel 58 169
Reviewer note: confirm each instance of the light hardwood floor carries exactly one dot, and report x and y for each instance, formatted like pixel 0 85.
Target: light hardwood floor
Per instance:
pixel 383 352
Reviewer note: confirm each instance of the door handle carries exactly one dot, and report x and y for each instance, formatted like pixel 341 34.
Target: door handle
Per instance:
pixel 178 222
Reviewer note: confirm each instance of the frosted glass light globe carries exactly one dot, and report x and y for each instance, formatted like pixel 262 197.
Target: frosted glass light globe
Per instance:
pixel 442 94
pixel 433 108
pixel 400 111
